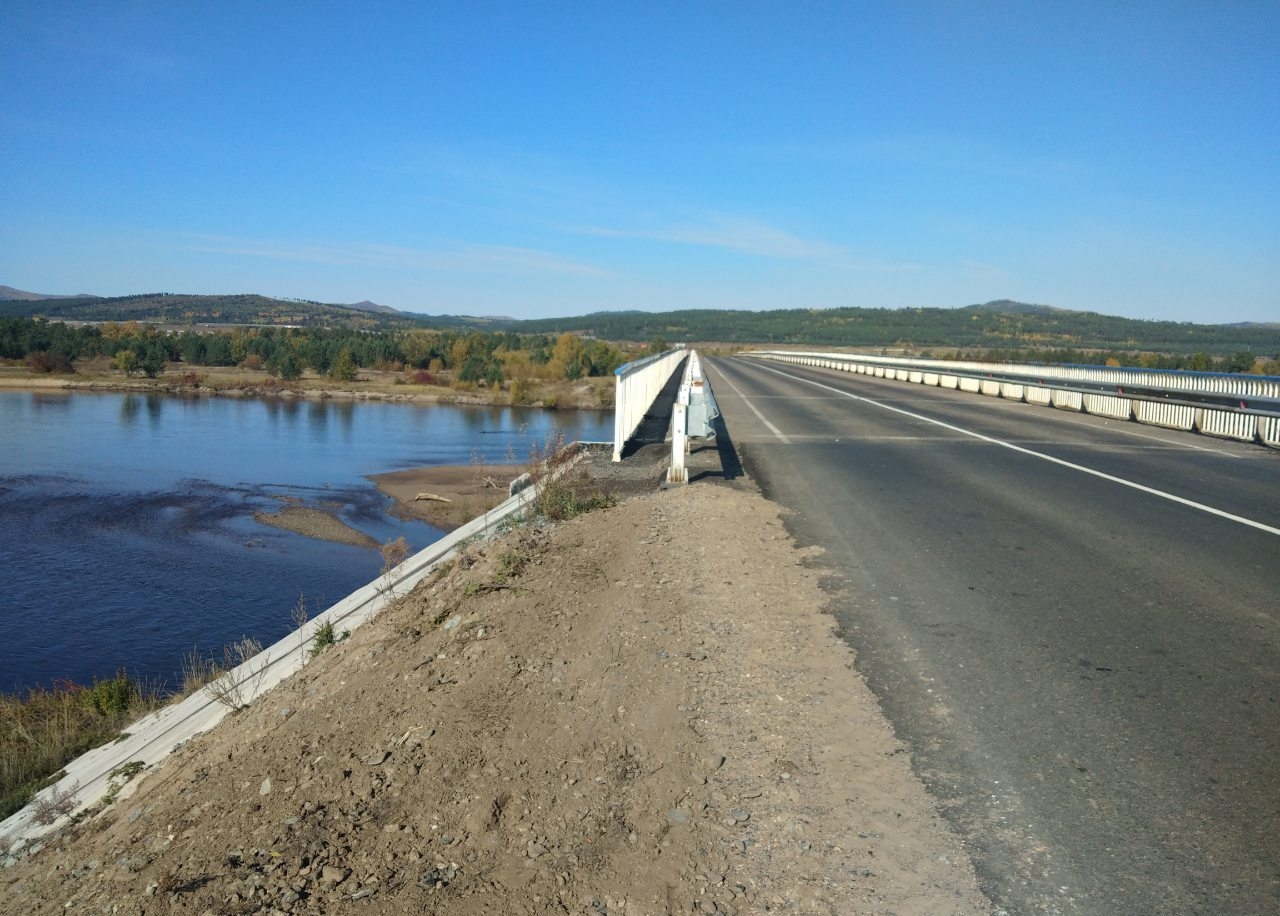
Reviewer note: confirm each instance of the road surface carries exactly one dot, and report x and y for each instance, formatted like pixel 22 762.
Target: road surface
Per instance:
pixel 1072 621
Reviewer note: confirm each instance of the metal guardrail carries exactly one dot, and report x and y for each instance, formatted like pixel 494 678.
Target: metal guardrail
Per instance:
pixel 1240 407
pixel 695 410
pixel 637 384
pixel 149 740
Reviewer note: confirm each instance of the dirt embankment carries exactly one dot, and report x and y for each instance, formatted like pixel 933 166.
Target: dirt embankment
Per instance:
pixel 639 711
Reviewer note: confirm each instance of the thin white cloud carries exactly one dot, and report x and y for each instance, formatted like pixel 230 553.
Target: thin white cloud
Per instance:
pixel 756 238
pixel 984 271
pixel 733 233
pixel 450 257
pixel 943 152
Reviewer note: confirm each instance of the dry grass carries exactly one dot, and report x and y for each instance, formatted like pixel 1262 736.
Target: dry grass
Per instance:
pixel 47 728
pixel 232 690
pixel 559 496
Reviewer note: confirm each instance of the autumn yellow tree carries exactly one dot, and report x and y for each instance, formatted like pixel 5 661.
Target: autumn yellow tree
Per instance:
pixel 568 357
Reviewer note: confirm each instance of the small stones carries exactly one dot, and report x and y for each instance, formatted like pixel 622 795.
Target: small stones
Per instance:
pixel 333 874
pixel 377 758
pixel 737 816
pixel 676 816
pixel 439 876
pixel 265 788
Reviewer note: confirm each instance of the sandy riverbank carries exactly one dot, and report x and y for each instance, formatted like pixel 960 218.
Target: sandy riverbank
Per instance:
pixel 443 497
pixel 471 490
pixel 373 385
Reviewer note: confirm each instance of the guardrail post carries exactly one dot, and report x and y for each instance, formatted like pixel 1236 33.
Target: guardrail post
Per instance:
pixel 678 473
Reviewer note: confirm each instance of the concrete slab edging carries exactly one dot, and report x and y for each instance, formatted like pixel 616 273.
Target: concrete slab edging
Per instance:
pixel 92 775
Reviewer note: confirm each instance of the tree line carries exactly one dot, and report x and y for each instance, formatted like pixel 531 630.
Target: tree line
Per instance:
pixel 470 356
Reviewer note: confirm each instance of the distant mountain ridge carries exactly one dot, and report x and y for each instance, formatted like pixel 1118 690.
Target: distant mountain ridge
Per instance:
pixel 8 293
pixel 183 309
pixel 1001 324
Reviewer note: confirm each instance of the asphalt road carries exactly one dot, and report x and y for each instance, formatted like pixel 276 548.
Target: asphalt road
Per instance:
pixel 1074 623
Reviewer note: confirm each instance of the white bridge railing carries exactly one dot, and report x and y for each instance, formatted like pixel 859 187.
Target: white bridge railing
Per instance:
pixel 638 383
pixel 1230 406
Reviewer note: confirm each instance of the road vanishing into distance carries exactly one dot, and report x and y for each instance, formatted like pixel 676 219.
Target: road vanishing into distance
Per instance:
pixel 1071 621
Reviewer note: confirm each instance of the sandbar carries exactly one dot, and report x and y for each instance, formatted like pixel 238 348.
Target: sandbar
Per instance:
pixel 315 523
pixel 471 489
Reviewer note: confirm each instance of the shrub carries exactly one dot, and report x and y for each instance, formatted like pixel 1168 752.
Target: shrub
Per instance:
pixel 423 377
pixel 325 637
pixel 49 361
pixel 112 698
pixel 57 803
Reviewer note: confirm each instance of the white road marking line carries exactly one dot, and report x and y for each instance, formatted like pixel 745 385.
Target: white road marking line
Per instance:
pixel 755 410
pixel 1026 451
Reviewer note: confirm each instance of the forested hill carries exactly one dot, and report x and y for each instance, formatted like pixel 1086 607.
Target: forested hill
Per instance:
pixel 994 325
pixel 999 325
pixel 186 310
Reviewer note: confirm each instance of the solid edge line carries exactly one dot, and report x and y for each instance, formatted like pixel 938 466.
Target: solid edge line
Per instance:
pixel 1026 451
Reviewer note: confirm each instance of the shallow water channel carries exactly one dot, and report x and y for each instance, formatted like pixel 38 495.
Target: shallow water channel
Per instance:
pixel 127 535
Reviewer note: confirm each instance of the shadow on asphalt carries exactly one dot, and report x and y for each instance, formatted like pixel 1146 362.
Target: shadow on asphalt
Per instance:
pixel 730 465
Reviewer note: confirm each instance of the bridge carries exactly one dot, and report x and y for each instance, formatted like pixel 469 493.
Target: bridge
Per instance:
pixel 1071 618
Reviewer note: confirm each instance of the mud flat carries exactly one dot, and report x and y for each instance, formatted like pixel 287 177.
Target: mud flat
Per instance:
pixel 315 523
pixel 471 490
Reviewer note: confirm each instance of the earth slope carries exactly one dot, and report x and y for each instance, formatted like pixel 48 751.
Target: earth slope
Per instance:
pixel 642 710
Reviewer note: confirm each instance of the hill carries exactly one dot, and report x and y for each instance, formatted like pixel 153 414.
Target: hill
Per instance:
pixel 183 309
pixel 8 293
pixel 1001 325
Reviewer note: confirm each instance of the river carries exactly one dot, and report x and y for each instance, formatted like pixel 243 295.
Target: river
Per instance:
pixel 127 535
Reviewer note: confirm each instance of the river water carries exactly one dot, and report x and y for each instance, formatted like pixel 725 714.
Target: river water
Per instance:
pixel 127 535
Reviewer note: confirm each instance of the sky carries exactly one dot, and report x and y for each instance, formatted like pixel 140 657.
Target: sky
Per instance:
pixel 558 158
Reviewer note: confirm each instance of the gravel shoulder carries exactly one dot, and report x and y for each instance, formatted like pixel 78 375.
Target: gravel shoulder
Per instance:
pixel 642 710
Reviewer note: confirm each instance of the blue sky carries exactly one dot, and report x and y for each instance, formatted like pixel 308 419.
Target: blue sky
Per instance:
pixel 551 159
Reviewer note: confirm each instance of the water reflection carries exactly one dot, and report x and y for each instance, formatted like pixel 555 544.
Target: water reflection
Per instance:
pixel 43 399
pixel 129 407
pixel 155 406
